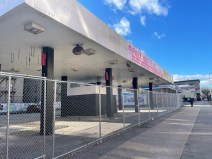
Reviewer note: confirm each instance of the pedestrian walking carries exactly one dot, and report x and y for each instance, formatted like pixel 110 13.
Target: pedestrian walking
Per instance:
pixel 192 101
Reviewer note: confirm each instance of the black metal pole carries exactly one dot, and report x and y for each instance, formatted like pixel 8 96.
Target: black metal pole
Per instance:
pixel 47 71
pixel 135 87
pixel 109 92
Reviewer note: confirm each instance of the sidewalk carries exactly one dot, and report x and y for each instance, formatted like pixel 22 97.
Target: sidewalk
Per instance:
pixel 184 134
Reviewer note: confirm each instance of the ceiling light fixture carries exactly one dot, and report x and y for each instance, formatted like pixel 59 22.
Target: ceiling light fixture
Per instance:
pixel 157 81
pixel 76 69
pixel 34 28
pixel 151 78
pixel 113 62
pixel 89 52
pixel 141 74
pixel 131 69
pixel 129 64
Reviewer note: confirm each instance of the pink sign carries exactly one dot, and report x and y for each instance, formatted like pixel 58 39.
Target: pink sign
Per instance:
pixel 142 60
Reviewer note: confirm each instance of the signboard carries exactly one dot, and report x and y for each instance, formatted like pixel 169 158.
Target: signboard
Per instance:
pixel 77 89
pixel 21 107
pixel 14 107
pixel 142 60
pixel 130 101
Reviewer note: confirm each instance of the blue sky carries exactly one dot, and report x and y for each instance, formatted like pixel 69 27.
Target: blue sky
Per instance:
pixel 177 34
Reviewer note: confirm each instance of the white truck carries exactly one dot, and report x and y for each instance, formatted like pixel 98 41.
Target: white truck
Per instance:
pixel 187 94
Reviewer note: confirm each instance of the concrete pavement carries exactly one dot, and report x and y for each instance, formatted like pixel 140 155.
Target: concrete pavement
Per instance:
pixel 184 134
pixel 199 144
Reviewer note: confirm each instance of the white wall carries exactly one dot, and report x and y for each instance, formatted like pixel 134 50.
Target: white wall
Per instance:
pixel 83 90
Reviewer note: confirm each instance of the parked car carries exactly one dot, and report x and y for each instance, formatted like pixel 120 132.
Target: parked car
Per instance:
pixel 34 109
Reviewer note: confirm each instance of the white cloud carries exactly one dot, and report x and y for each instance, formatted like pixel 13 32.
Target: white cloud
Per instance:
pixel 159 36
pixel 204 79
pixel 119 4
pixel 143 20
pixel 149 6
pixel 130 41
pixel 123 27
pixel 140 7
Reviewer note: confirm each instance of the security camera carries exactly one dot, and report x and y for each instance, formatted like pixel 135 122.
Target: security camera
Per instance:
pixel 129 64
pixel 78 50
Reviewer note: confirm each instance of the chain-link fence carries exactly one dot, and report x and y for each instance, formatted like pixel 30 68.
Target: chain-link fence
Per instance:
pixel 42 118
pixel 20 99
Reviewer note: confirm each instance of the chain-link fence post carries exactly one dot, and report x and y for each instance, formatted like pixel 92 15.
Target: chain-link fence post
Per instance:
pixel 167 102
pixel 54 110
pixel 139 114
pixel 179 103
pixel 8 117
pixel 170 102
pixel 173 102
pixel 44 117
pixel 156 101
pixel 148 103
pixel 100 113
pixel 162 100
pixel 170 106
pixel 177 100
pixel 123 110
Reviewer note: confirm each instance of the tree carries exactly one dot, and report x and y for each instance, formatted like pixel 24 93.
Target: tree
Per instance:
pixel 206 91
